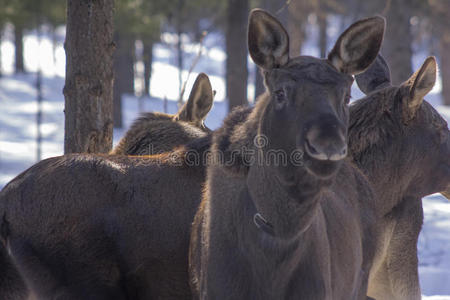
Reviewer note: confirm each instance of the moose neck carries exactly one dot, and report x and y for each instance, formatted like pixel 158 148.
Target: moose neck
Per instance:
pixel 286 196
pixel 375 148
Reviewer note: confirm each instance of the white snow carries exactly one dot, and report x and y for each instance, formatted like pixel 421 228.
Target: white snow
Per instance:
pixel 18 125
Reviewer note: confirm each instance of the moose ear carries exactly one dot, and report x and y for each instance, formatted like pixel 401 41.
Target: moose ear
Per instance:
pixel 199 103
pixel 268 41
pixel 418 85
pixel 358 46
pixel 377 76
pixel 446 193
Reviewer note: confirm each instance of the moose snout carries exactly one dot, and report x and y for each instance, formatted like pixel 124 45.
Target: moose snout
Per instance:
pixel 326 142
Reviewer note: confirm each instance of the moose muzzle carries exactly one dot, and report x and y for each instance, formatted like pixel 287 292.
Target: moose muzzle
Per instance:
pixel 326 140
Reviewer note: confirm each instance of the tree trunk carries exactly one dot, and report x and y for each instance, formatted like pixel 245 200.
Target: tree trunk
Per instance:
pixel 259 83
pixel 89 76
pixel 123 74
pixel 445 65
pixel 322 22
pixel 18 43
pixel 1 39
pixel 54 44
pixel 398 39
pixel 296 18
pixel 236 49
pixel 148 60
pixel 180 63
pixel 39 114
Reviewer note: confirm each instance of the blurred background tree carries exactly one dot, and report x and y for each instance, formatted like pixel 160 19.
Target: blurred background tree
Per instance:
pixel 440 18
pixel 412 25
pixel 141 20
pixel 134 20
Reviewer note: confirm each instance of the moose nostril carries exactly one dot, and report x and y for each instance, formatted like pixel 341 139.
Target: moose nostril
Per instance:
pixel 328 150
pixel 311 148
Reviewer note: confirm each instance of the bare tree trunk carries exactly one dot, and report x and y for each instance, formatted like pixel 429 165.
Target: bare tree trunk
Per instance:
pixel 89 76
pixel 180 64
pixel 54 43
pixel 1 39
pixel 323 24
pixel 236 49
pixel 296 23
pixel 18 44
pixel 39 115
pixel 398 40
pixel 117 103
pixel 123 74
pixel 39 96
pixel 259 83
pixel 148 61
pixel 445 64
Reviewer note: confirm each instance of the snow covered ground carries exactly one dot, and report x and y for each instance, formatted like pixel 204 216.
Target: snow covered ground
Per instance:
pixel 18 127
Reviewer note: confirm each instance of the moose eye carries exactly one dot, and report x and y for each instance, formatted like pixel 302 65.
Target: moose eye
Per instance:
pixel 280 96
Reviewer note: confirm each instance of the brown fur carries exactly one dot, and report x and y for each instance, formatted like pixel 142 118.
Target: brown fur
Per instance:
pixel 333 209
pixel 405 152
pixel 110 227
pixel 316 241
pixel 365 110
pixel 362 135
pixel 154 133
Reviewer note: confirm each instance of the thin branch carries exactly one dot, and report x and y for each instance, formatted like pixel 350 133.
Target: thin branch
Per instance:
pixel 285 5
pixel 386 9
pixel 194 63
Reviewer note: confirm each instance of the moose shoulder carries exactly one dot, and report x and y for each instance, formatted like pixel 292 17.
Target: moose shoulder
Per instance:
pixel 270 229
pixel 155 133
pixel 403 146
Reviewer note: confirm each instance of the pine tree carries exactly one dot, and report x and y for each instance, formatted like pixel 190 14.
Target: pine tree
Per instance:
pixel 89 76
pixel 236 49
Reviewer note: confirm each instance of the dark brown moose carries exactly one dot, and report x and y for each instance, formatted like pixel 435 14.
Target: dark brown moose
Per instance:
pixel 274 228
pixel 115 227
pixel 86 226
pixel 155 133
pixel 369 109
pixel 403 146
pixel 151 133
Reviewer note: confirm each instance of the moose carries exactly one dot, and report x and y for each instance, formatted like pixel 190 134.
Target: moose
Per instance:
pixel 155 133
pixel 152 133
pixel 86 226
pixel 177 289
pixel 402 145
pixel 268 230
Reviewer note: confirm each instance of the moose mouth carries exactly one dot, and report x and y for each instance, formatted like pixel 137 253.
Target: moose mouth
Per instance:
pixel 313 153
